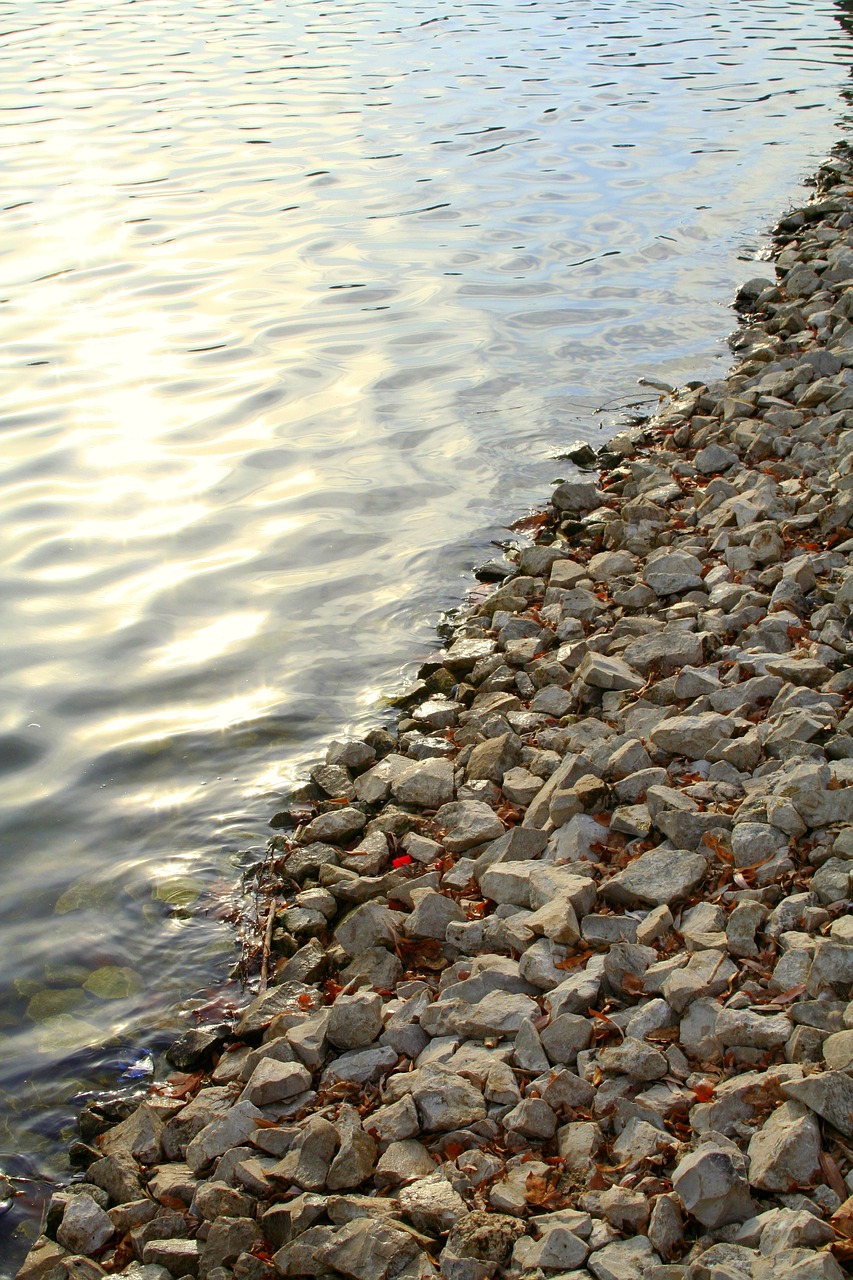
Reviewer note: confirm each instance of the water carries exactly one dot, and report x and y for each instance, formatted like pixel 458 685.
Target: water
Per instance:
pixel 296 301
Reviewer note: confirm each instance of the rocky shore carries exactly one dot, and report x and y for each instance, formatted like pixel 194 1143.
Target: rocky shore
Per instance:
pixel 557 977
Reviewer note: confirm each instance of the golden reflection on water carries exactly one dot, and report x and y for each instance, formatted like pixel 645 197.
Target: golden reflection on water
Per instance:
pixel 210 642
pixel 155 726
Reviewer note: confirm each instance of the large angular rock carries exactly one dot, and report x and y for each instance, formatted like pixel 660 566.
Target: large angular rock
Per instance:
pixel 656 878
pixel 693 736
pixel 829 1094
pixel 177 1257
pixel 355 1020
pixel 666 651
pixel 309 1166
pixel 273 1081
pixel 367 1249
pixel 490 760
pixel 468 823
pixel 136 1138
pixel 711 1182
pixel 484 1237
pixel 431 1204
pixel 85 1227
pixel 336 827
pixel 403 1161
pixel 577 496
pixel 608 673
pixel 356 1156
pixel 559 1249
pixel 446 1101
pixel 370 925
pixel 670 572
pixel 432 914
pixel 233 1129
pixel 624 1260
pixel 293 1000
pixel 227 1239
pixel 427 784
pixel 784 1154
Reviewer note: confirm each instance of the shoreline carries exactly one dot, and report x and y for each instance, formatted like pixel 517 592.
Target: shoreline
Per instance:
pixel 560 975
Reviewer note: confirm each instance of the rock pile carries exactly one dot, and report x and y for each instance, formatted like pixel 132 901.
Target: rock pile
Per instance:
pixel 563 969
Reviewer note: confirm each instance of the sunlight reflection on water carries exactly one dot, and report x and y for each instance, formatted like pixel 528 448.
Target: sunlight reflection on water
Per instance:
pixel 297 303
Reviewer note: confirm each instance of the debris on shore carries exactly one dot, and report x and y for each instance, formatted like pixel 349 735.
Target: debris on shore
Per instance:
pixel 556 979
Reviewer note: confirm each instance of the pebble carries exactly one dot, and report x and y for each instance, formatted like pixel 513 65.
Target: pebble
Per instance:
pixel 562 968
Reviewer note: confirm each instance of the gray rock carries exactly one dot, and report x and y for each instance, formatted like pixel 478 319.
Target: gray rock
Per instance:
pixel 671 572
pixel 491 760
pixel 792 1229
pixel 658 877
pixel 309 1166
pixel 565 1036
pixel 624 1260
pixel 635 1059
pixel 447 1101
pixel 832 967
pixel 532 1118
pixel 559 1249
pixel 227 1239
pixel 691 735
pixel 235 1127
pixel 178 1257
pixel 293 1000
pixel 626 1209
pixel 798 1264
pixel 667 650
pixel 368 1249
pixel 273 1081
pixel 715 458
pixel 356 1156
pixel 403 1162
pixel 432 914
pixel 427 784
pixel 468 823
pixel 754 842
pixel 707 973
pixel 666 1226
pixel 85 1227
pixel 577 496
pixel 744 1028
pixel 711 1182
pixel 830 1094
pixel 484 1237
pixel 369 925
pixel 431 1204
pixel 360 1066
pixel 336 827
pixel 396 1122
pixel 608 673
pixel 785 1152
pixel 355 1020
pixel 374 786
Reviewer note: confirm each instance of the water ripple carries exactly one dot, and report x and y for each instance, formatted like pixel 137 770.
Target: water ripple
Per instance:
pixel 297 303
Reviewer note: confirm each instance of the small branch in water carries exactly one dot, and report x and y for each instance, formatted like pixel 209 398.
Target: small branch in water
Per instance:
pixel 265 959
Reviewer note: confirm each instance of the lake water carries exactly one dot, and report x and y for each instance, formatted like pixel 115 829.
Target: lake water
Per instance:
pixel 296 302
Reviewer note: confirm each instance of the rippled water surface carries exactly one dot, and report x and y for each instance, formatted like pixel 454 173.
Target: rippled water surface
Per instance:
pixel 296 300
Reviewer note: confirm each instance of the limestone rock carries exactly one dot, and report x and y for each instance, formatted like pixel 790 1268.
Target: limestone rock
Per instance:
pixel 656 878
pixel 85 1227
pixel 785 1152
pixel 468 823
pixel 711 1182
